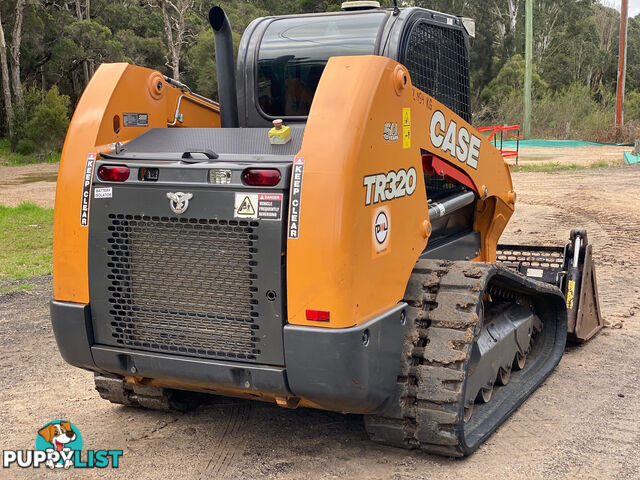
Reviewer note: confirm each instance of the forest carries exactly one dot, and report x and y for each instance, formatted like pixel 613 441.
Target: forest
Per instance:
pixel 50 48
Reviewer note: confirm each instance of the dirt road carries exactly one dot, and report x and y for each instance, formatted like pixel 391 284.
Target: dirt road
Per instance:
pixel 29 183
pixel 583 156
pixel 582 423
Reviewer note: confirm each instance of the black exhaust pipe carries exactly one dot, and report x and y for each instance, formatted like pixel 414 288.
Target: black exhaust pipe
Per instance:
pixel 225 68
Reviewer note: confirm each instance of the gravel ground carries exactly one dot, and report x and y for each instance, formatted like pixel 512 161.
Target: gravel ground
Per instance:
pixel 582 423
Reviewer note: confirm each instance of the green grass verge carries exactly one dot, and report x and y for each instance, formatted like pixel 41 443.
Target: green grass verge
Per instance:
pixel 14 159
pixel 16 288
pixel 556 167
pixel 27 242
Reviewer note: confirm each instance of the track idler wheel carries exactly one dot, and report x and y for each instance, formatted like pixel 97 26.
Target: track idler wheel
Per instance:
pixel 519 361
pixel 504 375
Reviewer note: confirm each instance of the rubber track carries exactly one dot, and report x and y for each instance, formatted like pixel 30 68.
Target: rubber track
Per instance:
pixel 442 324
pixel 116 390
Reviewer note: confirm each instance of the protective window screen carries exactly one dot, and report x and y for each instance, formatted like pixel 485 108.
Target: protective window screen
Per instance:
pixel 436 58
pixel 294 52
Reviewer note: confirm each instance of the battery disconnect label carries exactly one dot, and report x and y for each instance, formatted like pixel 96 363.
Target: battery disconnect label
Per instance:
pixel 264 206
pixel 296 191
pixel 106 192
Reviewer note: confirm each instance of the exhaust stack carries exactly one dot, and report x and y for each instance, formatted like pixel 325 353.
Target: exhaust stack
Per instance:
pixel 225 68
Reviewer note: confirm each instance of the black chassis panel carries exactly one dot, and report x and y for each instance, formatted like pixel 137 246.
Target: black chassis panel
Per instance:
pixel 136 197
pixel 350 370
pixel 335 368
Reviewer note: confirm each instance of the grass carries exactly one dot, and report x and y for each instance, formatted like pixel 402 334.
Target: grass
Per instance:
pixel 14 159
pixel 556 167
pixel 15 288
pixel 27 243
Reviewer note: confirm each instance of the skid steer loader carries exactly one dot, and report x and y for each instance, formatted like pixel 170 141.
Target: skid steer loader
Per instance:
pixel 325 236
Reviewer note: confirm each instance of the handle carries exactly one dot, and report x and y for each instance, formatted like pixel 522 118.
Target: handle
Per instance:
pixel 188 155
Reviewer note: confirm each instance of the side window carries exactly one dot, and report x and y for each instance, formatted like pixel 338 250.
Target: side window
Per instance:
pixel 437 59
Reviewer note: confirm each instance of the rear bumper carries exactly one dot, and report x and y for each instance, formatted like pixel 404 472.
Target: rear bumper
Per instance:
pixel 351 370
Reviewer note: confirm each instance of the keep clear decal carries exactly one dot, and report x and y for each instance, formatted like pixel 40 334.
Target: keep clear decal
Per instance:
pixel 296 191
pixel 264 206
pixel 381 229
pixel 86 189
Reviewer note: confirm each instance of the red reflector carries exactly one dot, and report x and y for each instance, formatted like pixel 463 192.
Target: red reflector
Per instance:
pixel 112 173
pixel 318 315
pixel 261 177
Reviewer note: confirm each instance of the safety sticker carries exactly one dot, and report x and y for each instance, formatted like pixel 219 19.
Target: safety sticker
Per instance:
pixel 571 293
pixel 106 192
pixel 86 189
pixel 246 205
pixel 381 229
pixel 406 128
pixel 136 119
pixel 296 192
pixel 269 206
pixel 265 206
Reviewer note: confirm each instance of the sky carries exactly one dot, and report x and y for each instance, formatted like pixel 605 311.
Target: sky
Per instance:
pixel 634 6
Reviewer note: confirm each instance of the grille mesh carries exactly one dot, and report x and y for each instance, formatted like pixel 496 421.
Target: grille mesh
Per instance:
pixel 183 285
pixel 437 60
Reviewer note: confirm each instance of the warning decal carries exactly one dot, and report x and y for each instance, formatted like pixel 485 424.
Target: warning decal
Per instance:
pixel 246 208
pixel 406 128
pixel 265 206
pixel 86 189
pixel 296 190
pixel 269 206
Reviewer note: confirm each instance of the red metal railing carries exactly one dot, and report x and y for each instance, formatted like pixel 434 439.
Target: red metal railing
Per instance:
pixel 502 129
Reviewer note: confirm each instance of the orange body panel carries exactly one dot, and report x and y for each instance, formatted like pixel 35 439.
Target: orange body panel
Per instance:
pixel 98 122
pixel 361 105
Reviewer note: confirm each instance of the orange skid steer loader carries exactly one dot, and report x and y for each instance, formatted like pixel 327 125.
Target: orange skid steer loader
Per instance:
pixel 326 236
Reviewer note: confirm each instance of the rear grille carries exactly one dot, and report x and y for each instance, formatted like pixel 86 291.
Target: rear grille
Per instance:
pixel 183 285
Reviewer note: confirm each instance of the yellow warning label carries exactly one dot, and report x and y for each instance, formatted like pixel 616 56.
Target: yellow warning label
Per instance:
pixel 406 128
pixel 246 208
pixel 406 117
pixel 571 290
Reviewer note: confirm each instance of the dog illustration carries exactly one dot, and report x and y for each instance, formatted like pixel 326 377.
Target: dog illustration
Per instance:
pixel 58 435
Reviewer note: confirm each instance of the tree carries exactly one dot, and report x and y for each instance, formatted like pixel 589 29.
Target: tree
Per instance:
pixel 16 40
pixel 174 16
pixel 6 88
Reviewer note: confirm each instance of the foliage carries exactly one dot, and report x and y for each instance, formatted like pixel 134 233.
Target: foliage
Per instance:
pixel 510 81
pixel 27 232
pixel 41 123
pixel 15 159
pixel 632 107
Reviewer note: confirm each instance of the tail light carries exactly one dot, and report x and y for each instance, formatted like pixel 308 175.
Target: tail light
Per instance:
pixel 318 315
pixel 113 173
pixel 263 177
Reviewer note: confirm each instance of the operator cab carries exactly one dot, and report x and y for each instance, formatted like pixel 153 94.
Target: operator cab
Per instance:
pixel 281 59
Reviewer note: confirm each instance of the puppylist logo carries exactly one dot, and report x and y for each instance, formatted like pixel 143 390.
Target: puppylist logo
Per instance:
pixel 59 445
